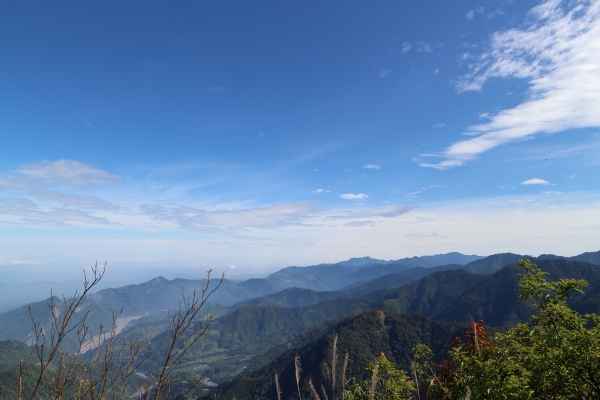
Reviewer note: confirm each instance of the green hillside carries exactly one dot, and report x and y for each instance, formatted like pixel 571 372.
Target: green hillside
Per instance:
pixel 363 337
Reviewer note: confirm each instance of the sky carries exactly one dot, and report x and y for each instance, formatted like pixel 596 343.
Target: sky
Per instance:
pixel 172 137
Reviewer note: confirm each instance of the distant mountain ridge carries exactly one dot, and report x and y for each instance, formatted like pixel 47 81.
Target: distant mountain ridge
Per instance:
pixel 274 315
pixel 354 264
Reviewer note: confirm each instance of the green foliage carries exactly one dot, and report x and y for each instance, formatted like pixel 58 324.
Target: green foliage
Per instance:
pixel 554 356
pixel 386 383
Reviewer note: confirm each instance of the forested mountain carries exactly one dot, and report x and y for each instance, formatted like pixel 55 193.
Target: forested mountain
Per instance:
pixel 452 296
pixel 495 300
pixel 252 333
pixel 11 354
pixel 299 297
pixel 362 337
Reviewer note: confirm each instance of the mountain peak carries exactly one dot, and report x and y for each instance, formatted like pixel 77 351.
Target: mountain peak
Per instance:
pixel 360 261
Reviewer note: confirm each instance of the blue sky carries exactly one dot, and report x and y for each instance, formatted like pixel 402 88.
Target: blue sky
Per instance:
pixel 250 136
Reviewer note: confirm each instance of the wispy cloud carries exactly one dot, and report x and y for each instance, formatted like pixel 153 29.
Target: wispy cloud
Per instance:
pixel 414 195
pixel 423 47
pixel 384 73
pixel 16 261
pixel 406 47
pixel 471 13
pixel 68 172
pixel 71 200
pixel 199 220
pixel 559 54
pixel 351 196
pixel 55 216
pixel 535 181
pixel 496 13
pixel 439 125
pixel 385 211
pixel 372 166
pixel 360 223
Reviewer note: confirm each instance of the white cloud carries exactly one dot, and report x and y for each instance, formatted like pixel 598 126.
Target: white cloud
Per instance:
pixel 423 47
pixel 351 196
pixel 32 215
pixel 413 195
pixel 70 200
pixel 16 261
pixel 559 55
pixel 496 13
pixel 471 13
pixel 535 181
pixel 200 220
pixel 563 225
pixel 372 166
pixel 406 47
pixel 216 89
pixel 318 191
pixel 68 172
pixel 440 125
pixel 384 73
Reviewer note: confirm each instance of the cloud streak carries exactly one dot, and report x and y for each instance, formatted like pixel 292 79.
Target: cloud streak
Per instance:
pixel 68 172
pixel 385 211
pixel 559 55
pixel 372 166
pixel 352 196
pixel 199 220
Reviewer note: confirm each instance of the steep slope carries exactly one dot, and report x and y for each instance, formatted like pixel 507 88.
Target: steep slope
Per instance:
pixel 396 280
pixel 363 338
pixel 495 300
pixel 11 353
pixel 430 295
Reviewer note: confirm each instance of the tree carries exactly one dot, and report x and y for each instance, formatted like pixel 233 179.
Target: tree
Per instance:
pixel 386 383
pixel 554 356
pixel 109 368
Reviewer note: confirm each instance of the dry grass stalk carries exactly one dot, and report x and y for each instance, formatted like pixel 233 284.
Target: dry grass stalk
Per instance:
pixel 277 388
pixel 298 369
pixel 344 369
pixel 373 382
pixel 312 390
pixel 324 392
pixel 333 364
pixel 413 368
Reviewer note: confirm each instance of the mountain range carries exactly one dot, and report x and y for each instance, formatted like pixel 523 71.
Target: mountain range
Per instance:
pixel 262 323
